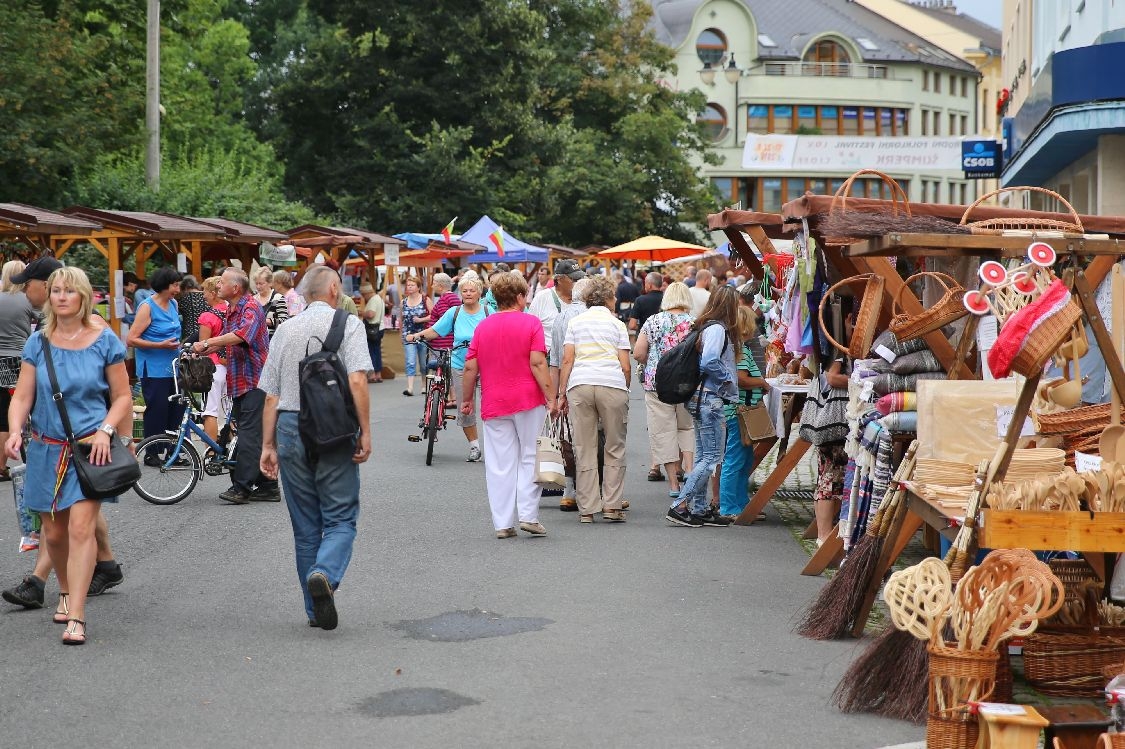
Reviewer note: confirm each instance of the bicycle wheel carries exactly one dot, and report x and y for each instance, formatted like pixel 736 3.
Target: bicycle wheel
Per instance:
pixel 163 485
pixel 434 417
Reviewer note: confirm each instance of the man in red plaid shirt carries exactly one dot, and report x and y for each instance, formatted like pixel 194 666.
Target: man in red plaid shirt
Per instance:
pixel 246 341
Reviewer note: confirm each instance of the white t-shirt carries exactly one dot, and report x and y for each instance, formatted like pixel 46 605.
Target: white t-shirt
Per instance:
pixel 699 299
pixel 597 336
pixel 546 306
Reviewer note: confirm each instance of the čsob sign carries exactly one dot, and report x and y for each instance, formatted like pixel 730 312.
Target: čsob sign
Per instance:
pixel 981 158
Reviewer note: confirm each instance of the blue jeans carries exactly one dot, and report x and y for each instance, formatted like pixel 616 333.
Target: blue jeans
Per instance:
pixel 710 434
pixel 414 353
pixel 375 348
pixel 734 478
pixel 323 502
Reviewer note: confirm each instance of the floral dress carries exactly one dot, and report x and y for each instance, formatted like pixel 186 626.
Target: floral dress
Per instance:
pixel 663 331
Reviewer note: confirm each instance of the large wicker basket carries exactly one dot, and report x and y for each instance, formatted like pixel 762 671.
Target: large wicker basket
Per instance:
pixel 954 670
pixel 998 225
pixel 949 308
pixel 863 334
pixel 1045 340
pixel 1071 665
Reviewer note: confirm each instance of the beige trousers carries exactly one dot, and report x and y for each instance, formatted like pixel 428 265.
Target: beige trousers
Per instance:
pixel 588 405
pixel 670 430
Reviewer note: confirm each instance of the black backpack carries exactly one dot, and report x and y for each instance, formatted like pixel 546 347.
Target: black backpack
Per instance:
pixel 327 420
pixel 677 373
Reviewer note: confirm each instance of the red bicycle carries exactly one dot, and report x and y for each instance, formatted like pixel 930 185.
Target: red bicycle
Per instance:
pixel 439 381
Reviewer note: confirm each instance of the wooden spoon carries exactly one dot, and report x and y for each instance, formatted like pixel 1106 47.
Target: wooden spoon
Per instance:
pixel 1112 436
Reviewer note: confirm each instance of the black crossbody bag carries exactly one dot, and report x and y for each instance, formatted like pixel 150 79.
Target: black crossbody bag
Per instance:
pixel 97 482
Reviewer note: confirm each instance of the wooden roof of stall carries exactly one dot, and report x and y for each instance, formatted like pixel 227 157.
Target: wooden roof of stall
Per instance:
pixel 18 219
pixel 243 232
pixel 341 236
pixel 144 225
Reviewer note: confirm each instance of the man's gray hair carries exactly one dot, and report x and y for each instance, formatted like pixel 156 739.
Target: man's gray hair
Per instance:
pixel 578 293
pixel 443 280
pixel 239 276
pixel 317 283
pixel 655 280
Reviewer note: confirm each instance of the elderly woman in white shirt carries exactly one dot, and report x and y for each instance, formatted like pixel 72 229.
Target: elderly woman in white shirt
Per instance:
pixel 593 387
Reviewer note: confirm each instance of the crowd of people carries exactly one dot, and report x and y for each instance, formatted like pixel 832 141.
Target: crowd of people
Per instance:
pixel 525 358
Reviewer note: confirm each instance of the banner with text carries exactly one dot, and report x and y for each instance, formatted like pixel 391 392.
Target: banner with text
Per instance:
pixel 822 153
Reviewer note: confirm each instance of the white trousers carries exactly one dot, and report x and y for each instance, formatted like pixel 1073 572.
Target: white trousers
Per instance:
pixel 509 467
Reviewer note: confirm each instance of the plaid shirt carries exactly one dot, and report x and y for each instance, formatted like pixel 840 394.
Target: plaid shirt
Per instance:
pixel 247 320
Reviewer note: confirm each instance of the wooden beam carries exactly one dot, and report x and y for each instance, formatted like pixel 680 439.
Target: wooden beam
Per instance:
pixel 749 259
pixel 896 243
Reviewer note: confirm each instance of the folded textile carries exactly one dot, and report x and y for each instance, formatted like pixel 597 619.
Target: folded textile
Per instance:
pixel 919 361
pixel 897 347
pixel 901 421
pixel 900 401
pixel 894 383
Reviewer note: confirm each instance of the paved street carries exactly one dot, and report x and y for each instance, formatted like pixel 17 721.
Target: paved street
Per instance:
pixel 633 635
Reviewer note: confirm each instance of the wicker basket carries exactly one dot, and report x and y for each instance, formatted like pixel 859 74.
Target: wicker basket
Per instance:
pixel 863 334
pixel 899 200
pixel 948 309
pixel 958 732
pixel 1002 691
pixel 1111 741
pixel 1042 343
pixel 1074 421
pixel 998 225
pixel 1071 665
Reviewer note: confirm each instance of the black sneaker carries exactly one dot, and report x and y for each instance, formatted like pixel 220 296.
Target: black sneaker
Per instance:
pixel 324 607
pixel 28 593
pixel 236 496
pixel 683 518
pixel 105 578
pixel 714 519
pixel 268 493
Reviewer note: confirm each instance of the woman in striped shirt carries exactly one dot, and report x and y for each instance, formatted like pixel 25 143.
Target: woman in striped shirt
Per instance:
pixel 738 460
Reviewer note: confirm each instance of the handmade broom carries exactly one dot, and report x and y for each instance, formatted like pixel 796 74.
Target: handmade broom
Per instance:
pixel 890 677
pixel 832 614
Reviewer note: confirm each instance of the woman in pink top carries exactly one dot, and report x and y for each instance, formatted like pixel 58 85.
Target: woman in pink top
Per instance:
pixel 510 356
pixel 211 324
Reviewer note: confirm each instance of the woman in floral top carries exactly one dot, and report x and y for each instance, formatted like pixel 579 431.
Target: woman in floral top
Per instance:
pixel 670 431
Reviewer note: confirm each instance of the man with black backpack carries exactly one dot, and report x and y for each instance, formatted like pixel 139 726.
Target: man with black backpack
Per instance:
pixel 315 426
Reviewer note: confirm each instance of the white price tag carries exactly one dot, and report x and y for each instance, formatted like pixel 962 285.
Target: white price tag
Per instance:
pixel 1000 708
pixel 1004 416
pixel 390 254
pixel 886 353
pixel 1086 463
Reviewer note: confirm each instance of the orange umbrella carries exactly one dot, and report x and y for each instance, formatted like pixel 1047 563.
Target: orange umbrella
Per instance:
pixel 653 249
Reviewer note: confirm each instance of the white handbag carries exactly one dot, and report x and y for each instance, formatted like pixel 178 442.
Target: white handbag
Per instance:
pixel 550 470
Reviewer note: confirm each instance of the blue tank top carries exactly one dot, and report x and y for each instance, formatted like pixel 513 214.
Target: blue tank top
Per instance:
pixel 165 324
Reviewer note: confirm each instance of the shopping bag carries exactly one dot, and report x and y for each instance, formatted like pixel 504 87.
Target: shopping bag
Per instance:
pixel 29 521
pixel 550 471
pixel 754 423
pixel 566 446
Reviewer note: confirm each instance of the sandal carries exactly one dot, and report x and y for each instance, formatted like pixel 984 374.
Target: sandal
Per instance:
pixel 654 474
pixel 72 637
pixel 62 611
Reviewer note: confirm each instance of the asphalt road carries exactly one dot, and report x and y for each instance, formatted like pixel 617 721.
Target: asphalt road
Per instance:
pixel 632 635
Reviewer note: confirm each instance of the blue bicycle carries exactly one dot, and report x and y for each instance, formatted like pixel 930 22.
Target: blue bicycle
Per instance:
pixel 170 464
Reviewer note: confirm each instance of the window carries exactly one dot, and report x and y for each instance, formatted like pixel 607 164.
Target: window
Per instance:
pixel 937 83
pixel 826 57
pixel 925 122
pixel 886 121
pixel 851 121
pixel 782 119
pixel 964 88
pixel 964 193
pixel 867 44
pixel 952 85
pixel 902 122
pixel 830 120
pixel 725 186
pixel 758 118
pixel 771 194
pixel 937 123
pixel 869 127
pixel 953 124
pixel 817 187
pixel 714 119
pixel 964 124
pixel 711 46
pixel 765 41
pixel 925 80
pixel 806 120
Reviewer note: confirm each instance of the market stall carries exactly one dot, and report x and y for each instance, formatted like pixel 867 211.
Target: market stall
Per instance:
pixel 1007 462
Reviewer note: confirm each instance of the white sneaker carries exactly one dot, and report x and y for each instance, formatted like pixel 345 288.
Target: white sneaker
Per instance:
pixel 474 455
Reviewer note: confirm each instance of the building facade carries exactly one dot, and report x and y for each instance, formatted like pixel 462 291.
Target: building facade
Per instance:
pixel 1064 102
pixel 803 93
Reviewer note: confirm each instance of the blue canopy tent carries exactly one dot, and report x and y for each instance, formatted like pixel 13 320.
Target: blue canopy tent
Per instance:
pixel 515 251
pixel 416 241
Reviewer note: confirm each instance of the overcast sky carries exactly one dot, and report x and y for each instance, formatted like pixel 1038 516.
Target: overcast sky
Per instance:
pixel 988 11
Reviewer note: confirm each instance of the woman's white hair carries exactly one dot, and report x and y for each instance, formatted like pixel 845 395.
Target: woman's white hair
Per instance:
pixel 443 280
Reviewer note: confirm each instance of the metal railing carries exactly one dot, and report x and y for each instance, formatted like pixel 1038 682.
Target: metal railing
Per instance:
pixel 829 70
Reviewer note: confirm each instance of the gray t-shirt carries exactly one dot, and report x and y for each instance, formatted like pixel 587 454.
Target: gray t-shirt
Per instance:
pixel 558 331
pixel 302 335
pixel 17 320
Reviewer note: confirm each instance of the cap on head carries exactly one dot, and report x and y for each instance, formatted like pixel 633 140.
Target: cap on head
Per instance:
pixel 570 269
pixel 39 269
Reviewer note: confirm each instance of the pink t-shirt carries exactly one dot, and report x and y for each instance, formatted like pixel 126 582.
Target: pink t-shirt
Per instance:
pixel 502 345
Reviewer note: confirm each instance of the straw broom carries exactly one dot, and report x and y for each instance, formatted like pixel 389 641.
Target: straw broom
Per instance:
pixel 833 612
pixel 890 677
